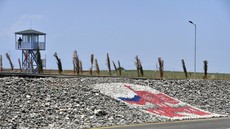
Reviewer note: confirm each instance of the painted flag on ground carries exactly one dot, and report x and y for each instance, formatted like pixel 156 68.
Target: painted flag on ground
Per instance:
pixel 152 101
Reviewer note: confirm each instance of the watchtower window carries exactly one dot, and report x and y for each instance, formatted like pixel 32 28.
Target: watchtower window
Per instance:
pixel 36 38
pixel 30 38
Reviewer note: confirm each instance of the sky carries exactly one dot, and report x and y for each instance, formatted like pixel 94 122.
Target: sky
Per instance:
pixel 148 29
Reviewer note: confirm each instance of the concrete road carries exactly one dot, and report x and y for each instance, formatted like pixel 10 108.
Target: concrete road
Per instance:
pixel 216 123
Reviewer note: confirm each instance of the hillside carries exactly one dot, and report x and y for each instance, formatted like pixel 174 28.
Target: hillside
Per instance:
pixel 73 103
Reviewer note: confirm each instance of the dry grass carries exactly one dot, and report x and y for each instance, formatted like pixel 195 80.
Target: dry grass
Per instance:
pixel 20 66
pixel 76 63
pixel 97 67
pixel 58 63
pixel 91 61
pixel 119 66
pixel 161 68
pixel 9 59
pixel 39 61
pixel 108 64
pixel 137 64
pixel 205 69
pixel 115 67
pixel 184 68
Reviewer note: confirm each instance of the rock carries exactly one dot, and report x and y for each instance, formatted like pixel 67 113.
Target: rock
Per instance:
pixel 100 113
pixel 8 83
pixel 72 103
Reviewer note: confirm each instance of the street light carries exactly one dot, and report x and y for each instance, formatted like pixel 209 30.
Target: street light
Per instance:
pixel 194 51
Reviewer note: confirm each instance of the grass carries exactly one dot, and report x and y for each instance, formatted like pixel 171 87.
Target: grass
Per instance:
pixel 133 74
pixel 149 74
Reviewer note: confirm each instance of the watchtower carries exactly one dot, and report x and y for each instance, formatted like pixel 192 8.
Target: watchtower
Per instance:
pixel 28 41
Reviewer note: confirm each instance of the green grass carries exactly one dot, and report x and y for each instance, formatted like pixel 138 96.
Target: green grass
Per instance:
pixel 147 74
pixel 156 74
pixel 176 75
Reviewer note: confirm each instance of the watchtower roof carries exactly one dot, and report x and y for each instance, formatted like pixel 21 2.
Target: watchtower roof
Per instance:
pixel 30 31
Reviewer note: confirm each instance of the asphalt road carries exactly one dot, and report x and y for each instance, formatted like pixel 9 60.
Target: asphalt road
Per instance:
pixel 216 123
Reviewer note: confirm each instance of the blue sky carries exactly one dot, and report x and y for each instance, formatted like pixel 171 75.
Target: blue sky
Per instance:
pixel 124 29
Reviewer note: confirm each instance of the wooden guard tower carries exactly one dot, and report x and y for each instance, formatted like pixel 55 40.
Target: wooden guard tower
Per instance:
pixel 28 41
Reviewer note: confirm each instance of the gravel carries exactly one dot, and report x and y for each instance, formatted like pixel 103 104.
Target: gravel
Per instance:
pixel 209 95
pixel 71 103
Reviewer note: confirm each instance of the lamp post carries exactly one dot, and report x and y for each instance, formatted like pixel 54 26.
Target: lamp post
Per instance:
pixel 194 51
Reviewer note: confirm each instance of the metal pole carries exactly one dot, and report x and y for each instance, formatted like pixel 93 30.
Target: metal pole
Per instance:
pixel 194 51
pixel 195 55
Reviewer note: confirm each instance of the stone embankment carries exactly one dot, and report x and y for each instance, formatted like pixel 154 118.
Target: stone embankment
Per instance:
pixel 72 103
